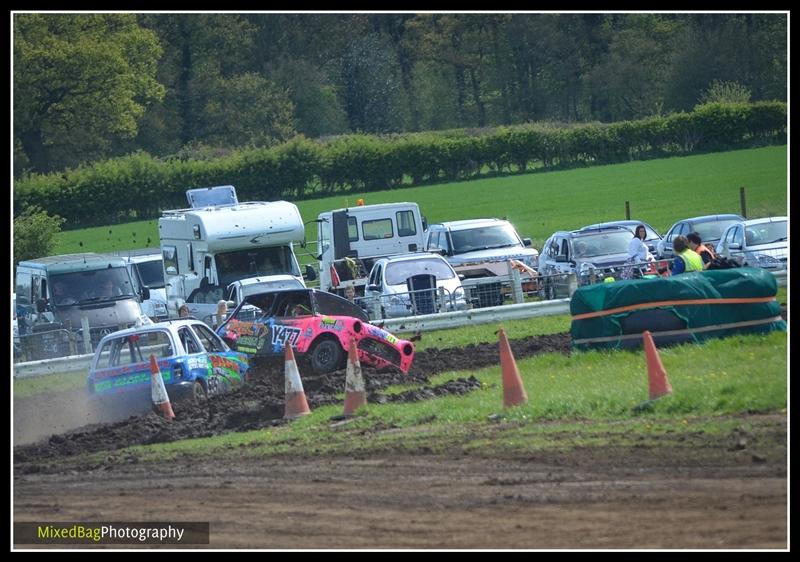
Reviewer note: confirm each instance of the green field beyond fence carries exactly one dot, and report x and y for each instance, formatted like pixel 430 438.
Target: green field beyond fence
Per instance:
pixel 659 191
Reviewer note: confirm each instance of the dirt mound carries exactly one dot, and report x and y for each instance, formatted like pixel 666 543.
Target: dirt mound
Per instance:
pixel 260 403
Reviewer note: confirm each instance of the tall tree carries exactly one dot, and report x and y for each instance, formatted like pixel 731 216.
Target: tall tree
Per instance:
pixel 80 83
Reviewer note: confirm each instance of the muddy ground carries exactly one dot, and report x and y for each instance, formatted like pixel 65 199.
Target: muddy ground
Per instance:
pixel 258 404
pixel 694 490
pixel 697 491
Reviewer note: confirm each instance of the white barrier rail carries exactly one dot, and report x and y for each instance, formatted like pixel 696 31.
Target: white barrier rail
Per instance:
pixel 442 320
pixel 486 315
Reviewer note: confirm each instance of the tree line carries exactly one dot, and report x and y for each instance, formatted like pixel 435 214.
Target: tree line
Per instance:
pixel 198 86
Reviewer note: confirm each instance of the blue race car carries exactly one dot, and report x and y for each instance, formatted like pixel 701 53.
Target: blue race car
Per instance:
pixel 194 362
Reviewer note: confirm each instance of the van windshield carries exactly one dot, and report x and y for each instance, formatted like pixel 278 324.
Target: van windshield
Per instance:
pixel 79 287
pixel 484 238
pixel 274 260
pixel 151 273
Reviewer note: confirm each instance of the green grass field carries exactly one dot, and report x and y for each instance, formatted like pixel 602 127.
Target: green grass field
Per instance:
pixel 659 191
pixel 586 396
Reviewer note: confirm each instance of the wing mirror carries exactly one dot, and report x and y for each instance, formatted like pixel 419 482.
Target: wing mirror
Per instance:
pixel 310 274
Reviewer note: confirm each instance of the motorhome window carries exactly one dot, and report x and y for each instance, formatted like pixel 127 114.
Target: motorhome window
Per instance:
pixel 190 251
pixel 274 260
pixel 170 256
pixel 352 229
pixel 377 229
pixel 151 273
pixel 405 223
pixel 397 272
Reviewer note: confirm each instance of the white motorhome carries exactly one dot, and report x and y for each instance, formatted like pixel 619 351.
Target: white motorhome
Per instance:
pixel 351 240
pixel 219 240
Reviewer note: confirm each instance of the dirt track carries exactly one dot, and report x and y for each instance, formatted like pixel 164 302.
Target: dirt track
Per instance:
pixel 721 492
pixel 694 490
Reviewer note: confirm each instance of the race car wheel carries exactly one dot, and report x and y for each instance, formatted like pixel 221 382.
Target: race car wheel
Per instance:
pixel 199 396
pixel 325 356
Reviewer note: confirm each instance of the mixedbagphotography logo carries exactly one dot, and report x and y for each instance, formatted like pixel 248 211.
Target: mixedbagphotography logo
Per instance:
pixel 111 533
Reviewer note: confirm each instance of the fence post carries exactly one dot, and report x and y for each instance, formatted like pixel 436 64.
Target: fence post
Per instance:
pixel 87 337
pixel 516 284
pixel 572 283
pixel 742 202
pixel 627 210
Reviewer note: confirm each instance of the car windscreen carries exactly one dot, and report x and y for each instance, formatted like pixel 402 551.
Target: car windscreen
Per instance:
pixel 765 233
pixel 398 272
pixel 151 273
pixel 709 231
pixel 484 238
pixel 111 283
pixel 601 244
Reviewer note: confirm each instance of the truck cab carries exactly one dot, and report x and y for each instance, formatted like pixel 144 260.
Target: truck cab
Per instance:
pixel 64 292
pixel 352 239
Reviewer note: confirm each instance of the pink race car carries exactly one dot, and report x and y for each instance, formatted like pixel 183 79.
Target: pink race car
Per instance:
pixel 318 325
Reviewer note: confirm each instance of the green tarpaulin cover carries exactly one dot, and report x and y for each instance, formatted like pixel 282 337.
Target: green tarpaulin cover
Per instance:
pixel 674 309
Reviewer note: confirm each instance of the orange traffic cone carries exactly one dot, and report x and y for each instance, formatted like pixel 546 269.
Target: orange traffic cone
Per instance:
pixel 158 391
pixel 355 395
pixel 513 392
pixel 656 374
pixel 296 404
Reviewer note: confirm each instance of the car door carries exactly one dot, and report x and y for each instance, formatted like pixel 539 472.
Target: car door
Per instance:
pixel 736 245
pixel 225 369
pixel 122 364
pixel 675 231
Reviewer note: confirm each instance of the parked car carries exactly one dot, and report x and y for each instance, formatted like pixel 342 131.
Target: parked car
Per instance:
pixel 409 284
pixel 202 302
pixel 709 227
pixel 318 325
pixel 652 239
pixel 757 243
pixel 194 362
pixel 593 254
pixel 473 246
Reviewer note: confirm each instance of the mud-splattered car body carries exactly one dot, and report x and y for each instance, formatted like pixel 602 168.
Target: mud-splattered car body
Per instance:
pixel 318 325
pixel 194 363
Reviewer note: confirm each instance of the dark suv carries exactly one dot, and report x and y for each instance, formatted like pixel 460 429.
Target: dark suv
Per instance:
pixel 591 253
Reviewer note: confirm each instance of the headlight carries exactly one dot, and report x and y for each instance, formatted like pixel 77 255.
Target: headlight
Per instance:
pixel 587 268
pixel 766 261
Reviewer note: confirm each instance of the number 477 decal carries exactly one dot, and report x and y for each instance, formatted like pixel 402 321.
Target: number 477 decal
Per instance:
pixel 285 334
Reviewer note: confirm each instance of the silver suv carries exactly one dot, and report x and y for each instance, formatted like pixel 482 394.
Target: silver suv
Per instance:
pixel 477 244
pixel 592 254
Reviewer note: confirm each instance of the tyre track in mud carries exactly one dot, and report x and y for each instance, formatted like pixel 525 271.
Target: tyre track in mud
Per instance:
pixel 261 402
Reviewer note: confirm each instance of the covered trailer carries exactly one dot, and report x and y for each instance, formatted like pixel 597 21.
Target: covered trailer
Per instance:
pixel 690 307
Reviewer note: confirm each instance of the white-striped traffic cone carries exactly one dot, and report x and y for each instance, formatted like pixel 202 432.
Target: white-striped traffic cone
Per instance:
pixel 158 392
pixel 296 404
pixel 355 395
